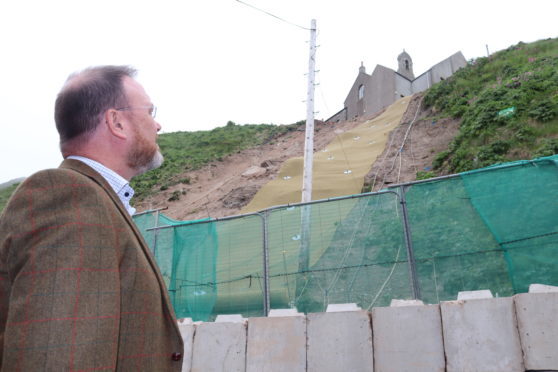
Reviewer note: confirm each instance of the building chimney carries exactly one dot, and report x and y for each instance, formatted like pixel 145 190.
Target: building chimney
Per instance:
pixel 362 69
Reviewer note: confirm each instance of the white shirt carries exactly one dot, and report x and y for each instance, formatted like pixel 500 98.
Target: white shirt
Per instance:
pixel 118 183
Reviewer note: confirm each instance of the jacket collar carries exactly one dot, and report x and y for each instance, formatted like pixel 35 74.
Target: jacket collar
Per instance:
pixel 86 170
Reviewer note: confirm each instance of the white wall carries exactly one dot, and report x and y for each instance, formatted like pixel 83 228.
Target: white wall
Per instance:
pixel 403 87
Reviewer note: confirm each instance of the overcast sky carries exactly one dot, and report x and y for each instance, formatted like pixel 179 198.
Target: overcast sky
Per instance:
pixel 210 61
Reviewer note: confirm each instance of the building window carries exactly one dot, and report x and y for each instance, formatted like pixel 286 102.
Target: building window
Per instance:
pixel 361 92
pixel 407 64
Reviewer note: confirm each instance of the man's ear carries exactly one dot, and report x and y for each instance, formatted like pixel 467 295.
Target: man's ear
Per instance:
pixel 113 122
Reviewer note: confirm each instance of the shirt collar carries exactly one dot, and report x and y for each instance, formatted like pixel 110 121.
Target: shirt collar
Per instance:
pixel 118 183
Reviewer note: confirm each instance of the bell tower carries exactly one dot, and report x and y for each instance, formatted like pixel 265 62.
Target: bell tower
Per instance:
pixel 405 65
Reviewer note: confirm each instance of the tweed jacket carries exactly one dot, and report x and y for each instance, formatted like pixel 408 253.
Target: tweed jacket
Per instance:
pixel 79 288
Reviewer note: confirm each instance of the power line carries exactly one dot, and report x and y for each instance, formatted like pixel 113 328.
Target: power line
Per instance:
pixel 323 97
pixel 272 15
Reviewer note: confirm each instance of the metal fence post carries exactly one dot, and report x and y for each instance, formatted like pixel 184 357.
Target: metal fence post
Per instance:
pixel 266 299
pixel 155 233
pixel 304 253
pixel 415 286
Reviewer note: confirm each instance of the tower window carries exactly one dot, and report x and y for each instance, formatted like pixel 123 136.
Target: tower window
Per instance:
pixel 406 64
pixel 361 92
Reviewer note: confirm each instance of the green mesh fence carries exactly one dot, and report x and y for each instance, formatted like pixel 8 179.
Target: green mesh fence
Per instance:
pixel 356 253
pixel 494 228
pixel 189 274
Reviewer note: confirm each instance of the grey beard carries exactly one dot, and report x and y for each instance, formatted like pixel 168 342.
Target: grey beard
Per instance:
pixel 156 162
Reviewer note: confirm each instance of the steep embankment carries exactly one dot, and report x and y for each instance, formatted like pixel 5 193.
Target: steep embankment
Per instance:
pixel 224 187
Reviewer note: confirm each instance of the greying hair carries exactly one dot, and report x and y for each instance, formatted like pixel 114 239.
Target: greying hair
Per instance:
pixel 86 95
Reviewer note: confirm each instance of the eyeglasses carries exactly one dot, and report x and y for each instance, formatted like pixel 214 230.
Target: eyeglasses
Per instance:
pixel 152 109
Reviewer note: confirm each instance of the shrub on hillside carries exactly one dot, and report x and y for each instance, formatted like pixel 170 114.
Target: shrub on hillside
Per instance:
pixel 544 111
pixel 548 147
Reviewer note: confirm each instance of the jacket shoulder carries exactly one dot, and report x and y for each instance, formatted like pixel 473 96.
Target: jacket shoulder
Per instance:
pixel 55 193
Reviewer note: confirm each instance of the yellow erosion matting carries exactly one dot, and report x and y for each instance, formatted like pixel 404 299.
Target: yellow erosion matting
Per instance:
pixel 339 169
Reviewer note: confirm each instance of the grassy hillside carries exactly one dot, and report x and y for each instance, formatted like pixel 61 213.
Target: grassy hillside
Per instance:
pixel 508 105
pixel 5 194
pixel 184 151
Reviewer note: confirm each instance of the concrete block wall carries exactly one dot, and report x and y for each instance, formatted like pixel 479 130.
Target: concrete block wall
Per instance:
pixel 408 338
pixel 340 341
pixel 538 329
pixel 481 335
pixel 474 333
pixel 187 329
pixel 219 347
pixel 276 344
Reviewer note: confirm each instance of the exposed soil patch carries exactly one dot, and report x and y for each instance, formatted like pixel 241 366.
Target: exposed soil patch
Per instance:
pixel 412 146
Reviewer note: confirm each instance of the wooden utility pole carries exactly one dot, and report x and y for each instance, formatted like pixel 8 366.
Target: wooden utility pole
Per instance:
pixel 304 254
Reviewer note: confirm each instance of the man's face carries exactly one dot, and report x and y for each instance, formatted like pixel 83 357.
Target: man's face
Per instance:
pixel 144 153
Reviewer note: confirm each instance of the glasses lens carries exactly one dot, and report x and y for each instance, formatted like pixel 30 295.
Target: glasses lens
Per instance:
pixel 154 112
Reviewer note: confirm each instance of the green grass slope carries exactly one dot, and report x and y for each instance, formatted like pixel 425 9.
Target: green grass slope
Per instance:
pixel 508 106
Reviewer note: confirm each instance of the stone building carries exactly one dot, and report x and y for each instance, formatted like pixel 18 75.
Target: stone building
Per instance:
pixel 371 93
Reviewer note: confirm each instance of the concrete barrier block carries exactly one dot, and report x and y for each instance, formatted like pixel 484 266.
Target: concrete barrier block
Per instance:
pixel 395 303
pixel 481 335
pixel 230 318
pixel 474 295
pixel 219 347
pixel 276 344
pixel 537 321
pixel 336 308
pixel 187 329
pixel 339 341
pixel 408 338
pixel 542 288
pixel 284 312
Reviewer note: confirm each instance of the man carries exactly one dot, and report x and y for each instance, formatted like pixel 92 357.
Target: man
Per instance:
pixel 79 289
